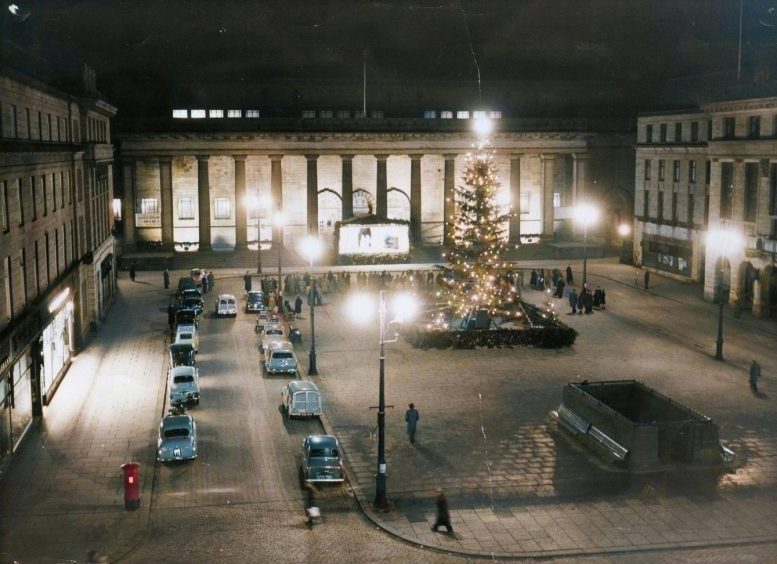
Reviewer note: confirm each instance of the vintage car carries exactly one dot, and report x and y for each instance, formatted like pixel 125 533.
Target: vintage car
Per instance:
pixel 184 386
pixel 272 332
pixel 255 302
pixel 226 305
pixel 301 398
pixel 193 302
pixel 182 354
pixel 186 316
pixel 196 275
pixel 185 283
pixel 187 334
pixel 177 437
pixel 321 459
pixel 279 358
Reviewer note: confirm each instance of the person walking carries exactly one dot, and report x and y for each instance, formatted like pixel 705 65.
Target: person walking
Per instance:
pixel 204 282
pixel 443 514
pixel 570 278
pixel 411 419
pixel 647 279
pixel 247 281
pixel 755 374
pixel 298 307
pixel 573 300
pixel 166 278
pixel 132 272
pixel 211 280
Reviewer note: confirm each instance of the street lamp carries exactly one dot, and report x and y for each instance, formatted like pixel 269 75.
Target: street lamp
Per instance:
pixel 723 242
pixel 279 220
pixel 403 305
pixel 586 213
pixel 311 246
pixel 259 202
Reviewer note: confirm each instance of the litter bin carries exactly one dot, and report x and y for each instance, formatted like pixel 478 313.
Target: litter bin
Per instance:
pixel 295 336
pixel 131 472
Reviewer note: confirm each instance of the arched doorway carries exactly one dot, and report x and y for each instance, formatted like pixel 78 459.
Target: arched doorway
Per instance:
pixel 747 276
pixel 722 280
pixel 330 211
pixel 398 204
pixel 363 203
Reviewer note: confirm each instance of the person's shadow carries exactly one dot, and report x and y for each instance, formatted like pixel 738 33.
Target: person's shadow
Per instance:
pixel 758 394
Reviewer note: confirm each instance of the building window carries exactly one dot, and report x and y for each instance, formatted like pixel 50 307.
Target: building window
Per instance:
pixel 678 132
pixel 772 189
pixel 7 275
pixel 647 169
pixel 707 172
pixel 674 208
pixel 255 113
pixel 430 114
pixel 308 114
pixel 662 134
pixel 496 114
pixel 462 114
pixel 29 123
pixel 646 204
pixel 20 200
pixel 692 171
pixel 33 199
pixel 478 114
pixel 525 201
pixel 36 267
pixel 197 114
pixel 754 127
pixel 556 199
pixel 53 192
pixel 216 113
pixel 149 205
pixel 14 122
pixel 185 208
pixel 751 191
pixel 726 189
pixel 4 206
pixel 661 170
pixel 234 113
pixel 649 133
pixel 694 131
pixel 222 208
pixel 326 114
pixel 691 203
pixel 343 114
pixel 180 114
pixel 23 275
pixel 660 215
pixel 376 114
pixel 729 125
pixel 676 171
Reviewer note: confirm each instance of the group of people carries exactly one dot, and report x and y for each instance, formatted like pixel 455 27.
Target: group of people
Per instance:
pixel 563 286
pixel 587 301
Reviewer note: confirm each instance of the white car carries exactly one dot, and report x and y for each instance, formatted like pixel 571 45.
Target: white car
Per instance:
pixel 184 386
pixel 272 333
pixel 226 305
pixel 187 335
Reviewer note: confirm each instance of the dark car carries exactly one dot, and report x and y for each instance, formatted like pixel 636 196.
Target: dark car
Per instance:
pixel 321 459
pixel 254 302
pixel 187 316
pixel 191 302
pixel 186 283
pixel 182 355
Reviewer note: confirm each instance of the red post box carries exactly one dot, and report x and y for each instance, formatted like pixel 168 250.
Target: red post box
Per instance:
pixel 131 472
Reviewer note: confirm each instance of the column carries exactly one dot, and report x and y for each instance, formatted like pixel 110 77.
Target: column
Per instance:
pixel 515 199
pixel 415 198
pixel 381 199
pixel 166 192
pixel 203 197
pixel 347 194
pixel 241 205
pixel 312 194
pixel 738 210
pixel 128 217
pixel 448 203
pixel 548 217
pixel 276 190
pixel 578 184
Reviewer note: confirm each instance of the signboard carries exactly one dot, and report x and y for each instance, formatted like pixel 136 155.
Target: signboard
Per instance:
pixel 369 239
pixel 153 219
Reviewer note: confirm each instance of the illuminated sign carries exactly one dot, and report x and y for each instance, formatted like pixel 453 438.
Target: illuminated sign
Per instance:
pixel 388 238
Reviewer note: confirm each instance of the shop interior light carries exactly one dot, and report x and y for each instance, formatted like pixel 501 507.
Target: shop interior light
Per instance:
pixel 55 304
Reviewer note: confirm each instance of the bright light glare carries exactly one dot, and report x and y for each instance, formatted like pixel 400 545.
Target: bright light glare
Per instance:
pixel 404 306
pixel 13 8
pixel 587 213
pixel 483 127
pixel 258 202
pixel 279 219
pixel 624 229
pixel 725 241
pixel 362 308
pixel 311 247
pixel 503 198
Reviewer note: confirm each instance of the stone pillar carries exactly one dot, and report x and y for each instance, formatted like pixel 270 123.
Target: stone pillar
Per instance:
pixel 415 198
pixel 312 194
pixel 515 199
pixel 381 199
pixel 548 216
pixel 448 207
pixel 166 192
pixel 738 210
pixel 203 197
pixel 130 176
pixel 578 185
pixel 241 205
pixel 347 194
pixel 276 191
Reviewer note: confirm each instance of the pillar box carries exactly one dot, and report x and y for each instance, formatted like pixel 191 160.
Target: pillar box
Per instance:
pixel 131 472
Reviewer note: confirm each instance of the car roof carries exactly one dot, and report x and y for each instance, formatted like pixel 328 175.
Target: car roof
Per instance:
pixel 182 370
pixel 255 292
pixel 322 440
pixel 302 386
pixel 281 345
pixel 177 422
pixel 226 296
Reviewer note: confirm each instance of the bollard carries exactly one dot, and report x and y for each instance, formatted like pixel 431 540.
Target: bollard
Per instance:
pixel 131 472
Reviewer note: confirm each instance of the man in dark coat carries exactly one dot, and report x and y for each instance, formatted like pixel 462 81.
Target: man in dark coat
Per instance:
pixel 411 418
pixel 443 515
pixel 166 278
pixel 570 278
pixel 573 301
pixel 132 272
pixel 247 284
pixel 298 307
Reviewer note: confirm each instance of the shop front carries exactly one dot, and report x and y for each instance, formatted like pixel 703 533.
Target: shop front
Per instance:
pixel 669 255
pixel 56 342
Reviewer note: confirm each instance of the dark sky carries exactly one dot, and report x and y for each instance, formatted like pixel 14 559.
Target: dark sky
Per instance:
pixel 628 47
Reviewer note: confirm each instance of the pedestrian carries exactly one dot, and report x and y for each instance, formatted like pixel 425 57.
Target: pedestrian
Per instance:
pixel 573 301
pixel 166 278
pixel 247 281
pixel 603 299
pixel 132 272
pixel 311 510
pixel 211 280
pixel 647 279
pixel 597 297
pixel 589 302
pixel 560 287
pixel 298 307
pixel 570 278
pixel 411 418
pixel 755 374
pixel 443 515
pixel 204 282
pixel 533 278
pixel 171 315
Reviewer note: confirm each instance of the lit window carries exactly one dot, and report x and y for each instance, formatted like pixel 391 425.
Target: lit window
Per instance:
pixel 376 114
pixel 478 114
pixel 308 114
pixel 222 208
pixel 149 205
pixel 462 114
pixel 234 113
pixel 252 113
pixel 181 114
pixel 495 115
pixel 430 114
pixel 343 114
pixel 216 113
pixel 359 114
pixel 556 199
pixel 198 114
pixel 326 114
pixel 185 208
pixel 445 114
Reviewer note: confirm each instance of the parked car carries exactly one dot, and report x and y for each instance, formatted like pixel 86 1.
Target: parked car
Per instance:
pixel 187 334
pixel 226 305
pixel 191 293
pixel 196 275
pixel 321 459
pixel 184 386
pixel 279 358
pixel 177 438
pixel 255 302
pixel 301 398
pixel 186 283
pixel 272 332
pixel 182 354
pixel 192 302
pixel 187 316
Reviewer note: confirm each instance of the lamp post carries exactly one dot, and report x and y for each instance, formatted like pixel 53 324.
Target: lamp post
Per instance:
pixel 312 247
pixel 587 213
pixel 258 203
pixel 279 221
pixel 723 241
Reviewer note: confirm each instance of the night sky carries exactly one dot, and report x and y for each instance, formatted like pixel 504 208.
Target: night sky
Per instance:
pixel 623 49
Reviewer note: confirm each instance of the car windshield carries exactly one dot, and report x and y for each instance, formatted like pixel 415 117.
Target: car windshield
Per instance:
pixel 231 302
pixel 184 336
pixel 282 354
pixel 173 433
pixel 183 379
pixel 195 272
pixel 254 298
pixel 323 453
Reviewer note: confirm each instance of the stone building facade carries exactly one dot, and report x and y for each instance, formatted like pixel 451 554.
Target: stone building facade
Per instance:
pixel 704 169
pixel 57 276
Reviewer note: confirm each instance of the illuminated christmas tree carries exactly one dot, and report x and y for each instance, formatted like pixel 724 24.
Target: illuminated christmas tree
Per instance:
pixel 479 225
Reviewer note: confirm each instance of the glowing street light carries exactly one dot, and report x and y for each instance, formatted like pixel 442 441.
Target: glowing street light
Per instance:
pixel 723 242
pixel 483 127
pixel 587 214
pixel 311 246
pixel 624 229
